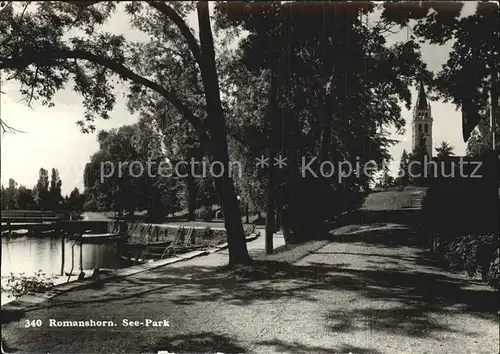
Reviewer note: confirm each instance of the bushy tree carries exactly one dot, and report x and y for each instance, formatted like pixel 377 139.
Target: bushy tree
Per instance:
pixel 468 78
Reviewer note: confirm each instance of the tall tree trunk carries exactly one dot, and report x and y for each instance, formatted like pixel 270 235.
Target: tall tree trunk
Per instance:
pixel 238 253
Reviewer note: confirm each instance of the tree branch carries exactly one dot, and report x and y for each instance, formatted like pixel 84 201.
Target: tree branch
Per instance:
pixel 27 58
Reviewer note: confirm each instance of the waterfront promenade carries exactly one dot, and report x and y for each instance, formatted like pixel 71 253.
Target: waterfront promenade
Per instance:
pixel 359 293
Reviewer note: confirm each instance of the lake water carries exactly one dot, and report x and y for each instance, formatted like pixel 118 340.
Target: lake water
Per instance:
pixel 30 254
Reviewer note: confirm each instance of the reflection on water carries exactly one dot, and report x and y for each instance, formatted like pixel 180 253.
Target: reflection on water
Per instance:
pixel 29 254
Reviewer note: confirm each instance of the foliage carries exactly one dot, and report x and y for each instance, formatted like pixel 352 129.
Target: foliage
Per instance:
pixel 461 217
pixel 333 90
pixel 476 254
pixel 386 180
pixel 465 78
pixel 481 139
pixel 90 205
pixel 404 178
pixel 417 164
pixel 253 191
pixel 54 197
pixel 3 197
pixel 75 201
pixel 246 107
pixel 17 285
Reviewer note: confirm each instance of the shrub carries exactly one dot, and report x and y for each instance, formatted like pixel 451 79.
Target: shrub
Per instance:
pixel 18 285
pixel 474 254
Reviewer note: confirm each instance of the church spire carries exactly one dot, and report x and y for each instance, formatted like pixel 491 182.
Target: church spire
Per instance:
pixel 422 99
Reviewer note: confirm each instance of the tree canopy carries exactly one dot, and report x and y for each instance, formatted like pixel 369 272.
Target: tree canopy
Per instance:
pixel 445 150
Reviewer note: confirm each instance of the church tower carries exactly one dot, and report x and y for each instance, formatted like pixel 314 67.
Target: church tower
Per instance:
pixel 422 121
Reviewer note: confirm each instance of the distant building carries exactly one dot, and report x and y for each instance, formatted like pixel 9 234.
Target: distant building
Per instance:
pixel 422 121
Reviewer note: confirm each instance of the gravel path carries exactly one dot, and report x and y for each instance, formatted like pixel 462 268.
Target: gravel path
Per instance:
pixel 384 300
pixel 366 292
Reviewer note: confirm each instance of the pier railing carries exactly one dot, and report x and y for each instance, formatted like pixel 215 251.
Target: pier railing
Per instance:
pixel 19 216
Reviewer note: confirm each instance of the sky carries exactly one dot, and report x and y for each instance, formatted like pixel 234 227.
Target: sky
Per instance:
pixel 53 140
